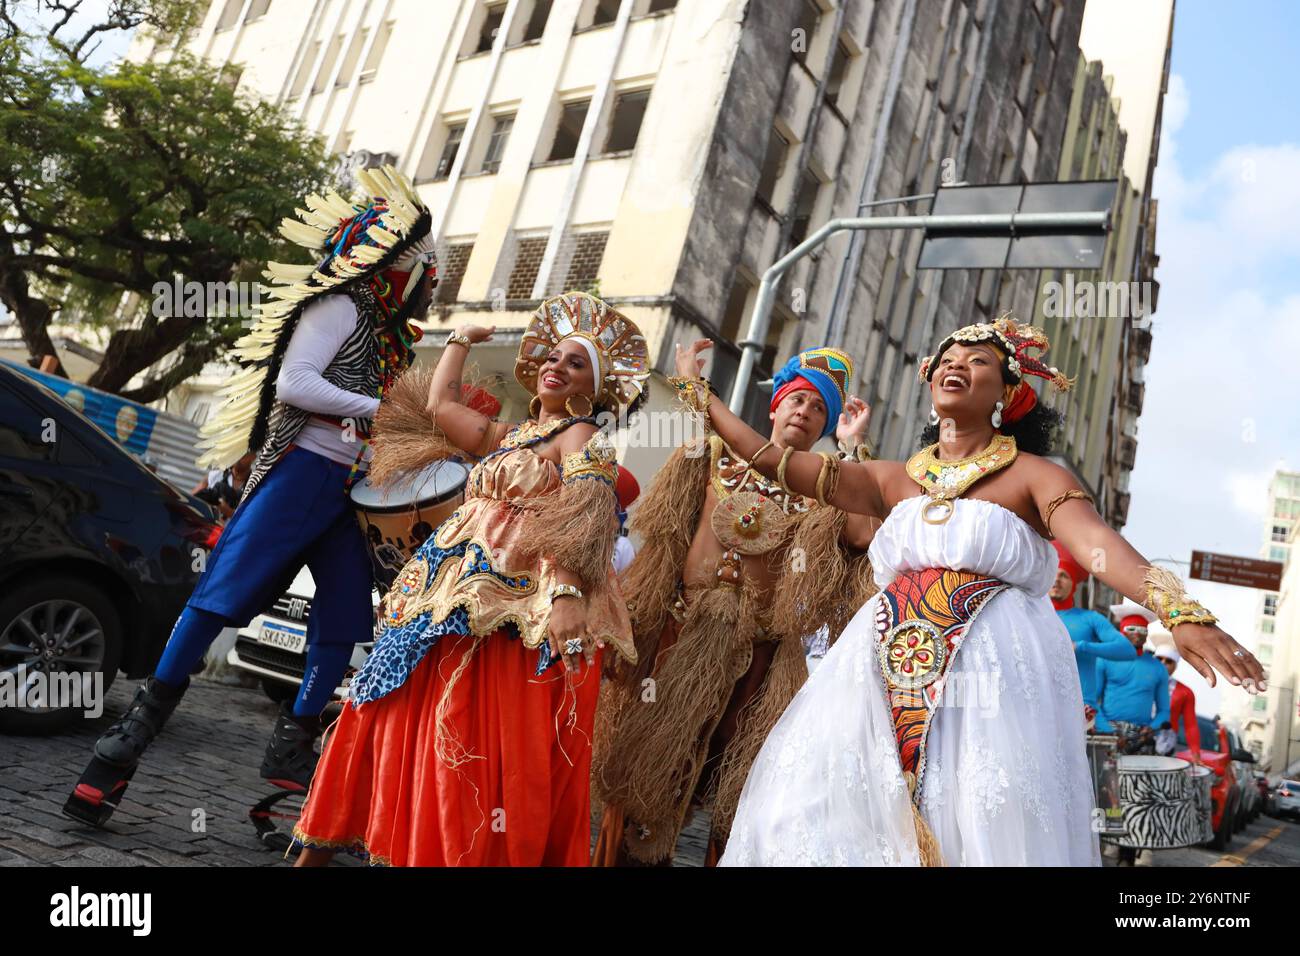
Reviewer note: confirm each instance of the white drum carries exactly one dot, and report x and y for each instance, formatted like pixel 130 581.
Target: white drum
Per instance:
pixel 1202 783
pixel 1161 809
pixel 398 518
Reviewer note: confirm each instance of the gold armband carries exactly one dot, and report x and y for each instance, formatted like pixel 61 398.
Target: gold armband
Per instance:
pixel 828 478
pixel 1168 598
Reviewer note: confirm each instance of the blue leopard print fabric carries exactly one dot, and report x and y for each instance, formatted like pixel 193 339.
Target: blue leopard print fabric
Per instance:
pixel 400 649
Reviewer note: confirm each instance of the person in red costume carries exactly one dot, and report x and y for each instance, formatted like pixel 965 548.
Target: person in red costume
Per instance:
pixel 1182 703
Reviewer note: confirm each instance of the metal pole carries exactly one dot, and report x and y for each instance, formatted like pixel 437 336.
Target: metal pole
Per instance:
pixel 760 319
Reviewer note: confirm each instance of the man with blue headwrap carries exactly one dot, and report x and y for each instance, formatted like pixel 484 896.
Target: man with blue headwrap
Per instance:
pixel 732 572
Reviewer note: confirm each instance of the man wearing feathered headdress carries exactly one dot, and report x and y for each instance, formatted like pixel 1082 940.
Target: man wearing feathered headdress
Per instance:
pixel 733 571
pixel 316 363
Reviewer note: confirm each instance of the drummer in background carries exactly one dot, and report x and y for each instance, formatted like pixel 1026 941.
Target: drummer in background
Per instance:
pixel 1133 695
pixel 1182 703
pixel 1095 638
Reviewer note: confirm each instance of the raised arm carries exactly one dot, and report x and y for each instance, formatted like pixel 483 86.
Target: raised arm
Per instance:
pixel 1094 544
pixel 858 489
pixel 1110 644
pixel 468 430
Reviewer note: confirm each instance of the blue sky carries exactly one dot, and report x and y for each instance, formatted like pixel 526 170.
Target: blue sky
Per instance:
pixel 1223 389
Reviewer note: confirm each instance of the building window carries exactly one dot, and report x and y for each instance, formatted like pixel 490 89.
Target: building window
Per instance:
pixel 588 251
pixel 1279 533
pixel 491 24
pixel 327 65
pixel 1276 554
pixel 804 205
pixel 839 67
pixel 229 14
pixel 528 260
pixel 569 130
pixel 659 6
pixel 257 9
pixel 801 39
pixel 353 55
pixel 376 54
pixel 1259 704
pixel 451 270
pixel 773 166
pixel 629 111
pixel 450 147
pixel 602 12
pixel 497 143
pixel 1265 627
pixel 1270 605
pixel 734 315
pixel 537 20
pixel 304 70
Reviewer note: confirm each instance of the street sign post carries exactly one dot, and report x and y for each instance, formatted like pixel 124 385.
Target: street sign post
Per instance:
pixel 1018 226
pixel 1230 569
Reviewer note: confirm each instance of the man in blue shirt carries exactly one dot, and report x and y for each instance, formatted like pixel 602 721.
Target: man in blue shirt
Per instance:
pixel 1095 638
pixel 1133 692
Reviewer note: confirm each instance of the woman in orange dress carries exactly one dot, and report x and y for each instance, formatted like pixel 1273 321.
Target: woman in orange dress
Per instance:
pixel 467 739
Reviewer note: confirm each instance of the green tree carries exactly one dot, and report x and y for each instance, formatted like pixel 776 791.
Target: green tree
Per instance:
pixel 115 179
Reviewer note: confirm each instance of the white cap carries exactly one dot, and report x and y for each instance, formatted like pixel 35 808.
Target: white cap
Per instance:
pixel 1168 652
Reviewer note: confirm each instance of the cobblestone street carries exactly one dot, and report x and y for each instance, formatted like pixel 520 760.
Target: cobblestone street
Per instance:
pixel 188 803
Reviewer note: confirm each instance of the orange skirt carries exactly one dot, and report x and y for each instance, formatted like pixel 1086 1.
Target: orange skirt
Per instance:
pixel 520 798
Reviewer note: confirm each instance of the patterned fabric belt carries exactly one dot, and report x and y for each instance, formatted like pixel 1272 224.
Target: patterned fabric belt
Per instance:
pixel 920 625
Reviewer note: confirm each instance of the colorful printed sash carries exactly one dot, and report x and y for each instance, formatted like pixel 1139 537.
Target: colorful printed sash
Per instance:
pixel 921 624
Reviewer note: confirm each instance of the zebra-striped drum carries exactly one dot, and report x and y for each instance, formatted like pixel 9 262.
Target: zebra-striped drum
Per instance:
pixel 1160 803
pixel 1202 783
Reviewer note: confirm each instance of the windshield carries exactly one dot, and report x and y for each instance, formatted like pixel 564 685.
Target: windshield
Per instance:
pixel 1209 734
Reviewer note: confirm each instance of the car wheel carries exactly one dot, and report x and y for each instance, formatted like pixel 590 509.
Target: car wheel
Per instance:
pixel 53 630
pixel 278 690
pixel 1222 836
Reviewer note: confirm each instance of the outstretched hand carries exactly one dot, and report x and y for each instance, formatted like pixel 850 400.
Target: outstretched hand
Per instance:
pixel 1207 649
pixel 689 363
pixel 853 421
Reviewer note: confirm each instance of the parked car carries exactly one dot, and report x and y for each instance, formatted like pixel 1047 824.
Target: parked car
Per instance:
pixel 1225 794
pixel 97 554
pixel 273 645
pixel 1286 799
pixel 1244 766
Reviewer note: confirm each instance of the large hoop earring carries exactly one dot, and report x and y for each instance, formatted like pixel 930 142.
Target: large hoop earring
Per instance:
pixel 591 407
pixel 533 412
pixel 934 415
pixel 996 418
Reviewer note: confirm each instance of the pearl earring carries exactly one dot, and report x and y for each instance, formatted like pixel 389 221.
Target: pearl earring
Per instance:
pixel 934 415
pixel 997 415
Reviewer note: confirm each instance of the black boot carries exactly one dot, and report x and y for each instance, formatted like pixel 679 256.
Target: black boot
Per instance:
pixel 123 744
pixel 290 760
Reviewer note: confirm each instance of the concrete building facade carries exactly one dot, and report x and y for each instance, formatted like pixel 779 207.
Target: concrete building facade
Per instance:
pixel 1270 722
pixel 664 153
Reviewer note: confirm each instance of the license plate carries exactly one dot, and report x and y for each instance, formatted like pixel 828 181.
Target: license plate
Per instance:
pixel 285 638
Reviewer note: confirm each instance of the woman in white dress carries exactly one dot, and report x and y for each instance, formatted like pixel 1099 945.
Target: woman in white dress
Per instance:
pixel 900 750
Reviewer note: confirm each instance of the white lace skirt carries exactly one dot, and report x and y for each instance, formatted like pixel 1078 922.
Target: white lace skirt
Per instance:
pixel 1006 781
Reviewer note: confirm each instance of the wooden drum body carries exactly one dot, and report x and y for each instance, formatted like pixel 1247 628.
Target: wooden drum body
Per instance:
pixel 397 519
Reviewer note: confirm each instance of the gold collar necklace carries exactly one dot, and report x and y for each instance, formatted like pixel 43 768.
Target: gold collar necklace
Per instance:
pixel 945 480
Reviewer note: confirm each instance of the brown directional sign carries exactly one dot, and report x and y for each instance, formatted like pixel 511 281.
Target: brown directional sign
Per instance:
pixel 1230 569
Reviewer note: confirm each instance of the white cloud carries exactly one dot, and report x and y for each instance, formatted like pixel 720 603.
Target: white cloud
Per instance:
pixel 1223 384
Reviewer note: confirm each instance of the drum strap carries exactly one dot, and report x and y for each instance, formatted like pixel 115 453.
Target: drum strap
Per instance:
pixel 923 618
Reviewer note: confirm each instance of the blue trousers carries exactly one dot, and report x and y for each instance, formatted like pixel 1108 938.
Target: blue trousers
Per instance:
pixel 298 515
